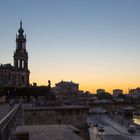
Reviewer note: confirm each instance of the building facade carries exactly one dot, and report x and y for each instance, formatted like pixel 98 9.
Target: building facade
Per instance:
pixel 67 87
pixel 117 92
pixel 135 93
pixel 100 91
pixel 18 74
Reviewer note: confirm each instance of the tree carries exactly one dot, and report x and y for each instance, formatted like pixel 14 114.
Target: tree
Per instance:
pixel 104 95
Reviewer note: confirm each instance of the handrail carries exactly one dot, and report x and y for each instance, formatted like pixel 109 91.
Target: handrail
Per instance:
pixel 8 123
pixel 7 116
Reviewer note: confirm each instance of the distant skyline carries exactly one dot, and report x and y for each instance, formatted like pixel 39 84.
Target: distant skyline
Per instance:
pixel 95 43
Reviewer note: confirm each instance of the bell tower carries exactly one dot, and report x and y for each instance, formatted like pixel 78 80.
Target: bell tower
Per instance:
pixel 21 59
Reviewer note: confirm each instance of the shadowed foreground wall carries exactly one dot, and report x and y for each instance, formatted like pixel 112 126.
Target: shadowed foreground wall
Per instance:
pixel 75 116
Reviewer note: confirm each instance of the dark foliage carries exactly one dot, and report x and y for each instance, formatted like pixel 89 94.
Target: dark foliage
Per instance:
pixel 12 92
pixel 104 95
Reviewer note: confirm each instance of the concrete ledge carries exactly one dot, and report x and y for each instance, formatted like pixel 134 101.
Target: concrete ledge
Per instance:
pixel 47 132
pixel 56 108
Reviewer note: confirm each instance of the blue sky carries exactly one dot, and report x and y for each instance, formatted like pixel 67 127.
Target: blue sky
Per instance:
pixel 95 43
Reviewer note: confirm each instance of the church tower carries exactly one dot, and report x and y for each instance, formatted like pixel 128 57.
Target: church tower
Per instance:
pixel 21 59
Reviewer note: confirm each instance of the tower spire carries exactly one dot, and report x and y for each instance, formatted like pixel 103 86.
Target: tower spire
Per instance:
pixel 21 31
pixel 21 58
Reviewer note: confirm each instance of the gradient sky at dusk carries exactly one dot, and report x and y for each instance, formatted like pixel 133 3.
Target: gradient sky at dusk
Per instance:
pixel 95 43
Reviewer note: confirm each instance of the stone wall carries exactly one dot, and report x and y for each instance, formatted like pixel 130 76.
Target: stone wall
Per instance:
pixel 76 116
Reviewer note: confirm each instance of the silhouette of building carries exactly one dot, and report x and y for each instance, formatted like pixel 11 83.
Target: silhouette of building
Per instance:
pixel 100 91
pixel 17 75
pixel 117 92
pixel 67 87
pixel 135 93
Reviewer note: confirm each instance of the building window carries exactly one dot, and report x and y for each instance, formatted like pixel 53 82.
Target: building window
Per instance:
pixel 22 63
pixel 18 63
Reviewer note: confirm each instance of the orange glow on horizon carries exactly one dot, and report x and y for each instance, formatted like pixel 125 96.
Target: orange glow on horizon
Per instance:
pixel 93 87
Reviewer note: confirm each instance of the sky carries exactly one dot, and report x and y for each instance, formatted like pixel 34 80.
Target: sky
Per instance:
pixel 95 43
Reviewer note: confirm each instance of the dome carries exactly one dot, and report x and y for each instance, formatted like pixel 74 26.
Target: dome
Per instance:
pixel 21 31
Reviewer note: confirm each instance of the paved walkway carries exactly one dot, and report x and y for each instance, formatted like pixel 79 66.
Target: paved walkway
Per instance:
pixel 4 109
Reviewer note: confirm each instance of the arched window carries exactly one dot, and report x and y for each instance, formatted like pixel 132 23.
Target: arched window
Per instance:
pixel 18 63
pixel 23 45
pixel 22 63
